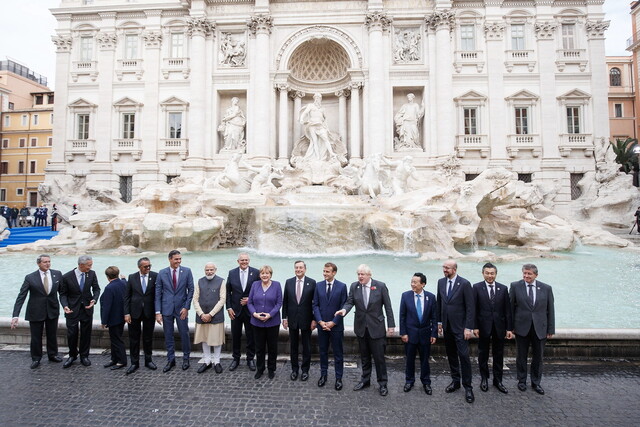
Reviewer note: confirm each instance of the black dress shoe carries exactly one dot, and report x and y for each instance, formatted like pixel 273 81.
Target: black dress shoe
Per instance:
pixel 67 363
pixel 500 387
pixel 304 376
pixel 272 374
pixel 117 366
pixel 361 385
pixel 408 387
pixel 484 385
pixel 468 395
pixel 251 364
pixel 234 365
pixel 522 386
pixel 56 359
pixel 294 375
pixel 384 390
pixel 168 366
pixel 338 385
pixel 322 381
pixel 35 364
pixel 218 368
pixel 150 365
pixel 537 389
pixel 258 374
pixel 185 365
pixel 85 361
pixel 132 369
pixel 109 364
pixel 427 389
pixel 452 387
pixel 204 367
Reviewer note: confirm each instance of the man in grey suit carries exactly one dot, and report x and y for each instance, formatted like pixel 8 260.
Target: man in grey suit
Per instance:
pixel 534 322
pixel 369 296
pixel 43 309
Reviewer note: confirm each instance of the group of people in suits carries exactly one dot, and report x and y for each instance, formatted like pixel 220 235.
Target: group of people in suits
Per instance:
pixel 259 305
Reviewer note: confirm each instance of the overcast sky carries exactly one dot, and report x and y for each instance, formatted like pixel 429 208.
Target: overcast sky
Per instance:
pixel 27 27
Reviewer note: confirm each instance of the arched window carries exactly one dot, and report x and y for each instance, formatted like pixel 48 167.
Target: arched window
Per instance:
pixel 614 77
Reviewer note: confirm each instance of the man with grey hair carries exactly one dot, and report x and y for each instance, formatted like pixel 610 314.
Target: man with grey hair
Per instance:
pixel 43 309
pixel 79 292
pixel 534 322
pixel 369 297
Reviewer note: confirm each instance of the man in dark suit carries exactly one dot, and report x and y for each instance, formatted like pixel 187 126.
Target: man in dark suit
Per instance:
pixel 369 297
pixel 534 322
pixel 43 309
pixel 139 309
pixel 239 283
pixel 112 316
pixel 418 330
pixel 330 296
pixel 174 292
pixel 493 323
pixel 297 316
pixel 456 316
pixel 79 292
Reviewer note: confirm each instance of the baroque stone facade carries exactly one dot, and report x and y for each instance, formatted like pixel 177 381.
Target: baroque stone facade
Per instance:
pixel 141 88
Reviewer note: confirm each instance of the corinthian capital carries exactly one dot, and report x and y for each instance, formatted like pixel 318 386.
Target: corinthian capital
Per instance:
pixel 63 43
pixel 261 23
pixel 152 38
pixel 378 21
pixel 494 30
pixel 441 19
pixel 596 29
pixel 545 30
pixel 107 41
pixel 200 26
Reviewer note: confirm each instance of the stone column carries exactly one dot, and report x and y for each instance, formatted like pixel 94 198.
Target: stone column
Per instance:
pixel 599 76
pixel 61 99
pixel 149 129
pixel 297 106
pixel 342 114
pixel 354 140
pixel 105 130
pixel 494 121
pixel 547 128
pixel 260 26
pixel 376 22
pixel 283 122
pixel 443 22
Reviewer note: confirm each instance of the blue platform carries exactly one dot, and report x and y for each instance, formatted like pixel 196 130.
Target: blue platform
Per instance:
pixel 21 235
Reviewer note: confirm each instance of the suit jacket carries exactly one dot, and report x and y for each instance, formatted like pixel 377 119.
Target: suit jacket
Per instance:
pixel 457 311
pixel 418 332
pixel 112 303
pixel 542 314
pixel 324 309
pixel 370 316
pixel 496 313
pixel 235 291
pixel 41 306
pixel 299 315
pixel 170 302
pixel 76 300
pixel 136 302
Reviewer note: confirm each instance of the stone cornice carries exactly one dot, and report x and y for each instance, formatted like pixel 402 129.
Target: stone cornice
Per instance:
pixel 445 18
pixel 378 21
pixel 545 30
pixel 63 43
pixel 596 29
pixel 200 26
pixel 494 30
pixel 260 24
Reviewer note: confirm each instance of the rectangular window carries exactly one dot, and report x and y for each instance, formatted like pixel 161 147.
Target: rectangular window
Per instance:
pixel 21 167
pixel 177 45
pixel 32 166
pixel 576 191
pixel 50 141
pixel 4 168
pixel 23 120
pixel 3 195
pixel 467 37
pixel 39 99
pixel 36 119
pixel 126 188
pixel 470 121
pixel 86 48
pixel 22 142
pixel 19 191
pixel 522 120
pixel 568 36
pixel 51 99
pixel 33 198
pixel 175 125
pixel 573 119
pixel 34 142
pixel 11 106
pixel 5 143
pixel 524 177
pixel 617 110
pixel 7 121
pixel 83 126
pixel 128 125
pixel 131 46
pixel 517 37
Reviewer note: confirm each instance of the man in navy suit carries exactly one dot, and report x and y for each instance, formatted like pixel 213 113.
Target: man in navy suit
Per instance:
pixel 493 323
pixel 239 283
pixel 174 292
pixel 330 296
pixel 297 316
pixel 534 322
pixel 43 309
pixel 456 316
pixel 112 316
pixel 139 313
pixel 418 330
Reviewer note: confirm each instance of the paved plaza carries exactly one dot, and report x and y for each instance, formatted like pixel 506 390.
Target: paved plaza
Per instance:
pixel 577 394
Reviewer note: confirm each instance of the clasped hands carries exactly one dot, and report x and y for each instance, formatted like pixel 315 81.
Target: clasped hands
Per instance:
pixel 262 316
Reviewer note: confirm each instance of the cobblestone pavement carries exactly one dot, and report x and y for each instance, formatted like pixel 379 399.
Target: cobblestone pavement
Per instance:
pixel 577 394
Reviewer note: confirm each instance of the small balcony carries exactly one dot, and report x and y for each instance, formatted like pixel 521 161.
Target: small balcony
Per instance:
pixel 129 66
pixel 571 56
pixel 466 143
pixel 84 68
pixel 520 57
pixel 468 57
pixel 131 146
pixel 81 147
pixel 576 141
pixel 516 143
pixel 178 146
pixel 175 65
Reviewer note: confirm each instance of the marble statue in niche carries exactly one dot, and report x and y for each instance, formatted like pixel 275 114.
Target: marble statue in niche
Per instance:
pixel 407 121
pixel 232 127
pixel 233 51
pixel 406 46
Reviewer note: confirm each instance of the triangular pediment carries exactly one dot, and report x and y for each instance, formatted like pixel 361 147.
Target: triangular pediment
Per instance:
pixel 173 101
pixel 470 96
pixel 522 95
pixel 127 102
pixel 575 94
pixel 82 103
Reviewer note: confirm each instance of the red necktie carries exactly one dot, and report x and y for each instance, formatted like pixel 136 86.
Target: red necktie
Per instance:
pixel 175 281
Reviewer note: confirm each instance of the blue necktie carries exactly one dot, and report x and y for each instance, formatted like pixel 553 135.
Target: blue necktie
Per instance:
pixel 419 308
pixel 144 284
pixel 81 282
pixel 449 290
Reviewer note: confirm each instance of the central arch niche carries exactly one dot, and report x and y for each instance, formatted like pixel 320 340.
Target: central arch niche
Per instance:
pixel 319 61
